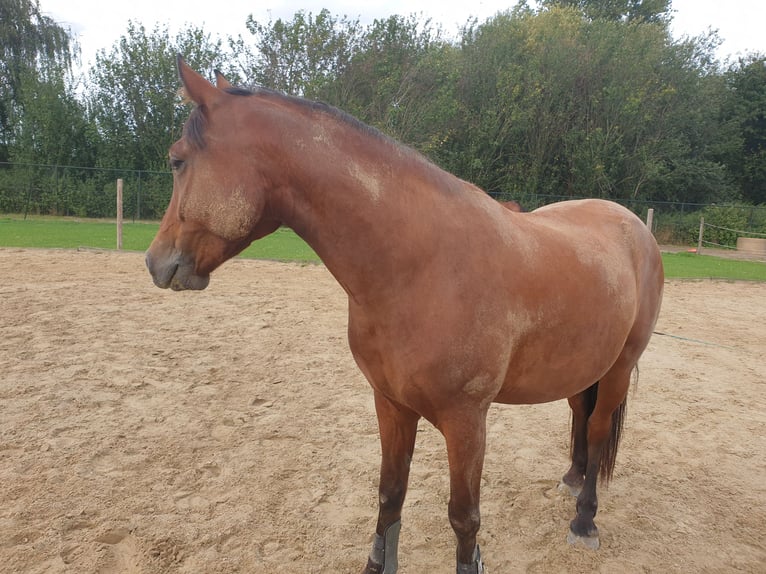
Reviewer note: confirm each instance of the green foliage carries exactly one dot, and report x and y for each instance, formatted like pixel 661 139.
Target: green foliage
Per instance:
pixel 656 11
pixel 676 227
pixel 746 110
pixel 558 104
pixel 723 224
pixel 53 128
pixel 56 190
pixel 303 56
pixel 400 78
pixel 33 50
pixel 576 98
pixel 132 95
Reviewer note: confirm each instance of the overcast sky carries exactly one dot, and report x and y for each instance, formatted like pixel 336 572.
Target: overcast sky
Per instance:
pixel 740 23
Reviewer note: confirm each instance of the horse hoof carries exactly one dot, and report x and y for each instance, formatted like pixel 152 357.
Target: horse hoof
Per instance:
pixel 569 489
pixel 589 542
pixel 475 567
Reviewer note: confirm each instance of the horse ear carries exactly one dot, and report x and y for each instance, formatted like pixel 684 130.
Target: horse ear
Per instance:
pixel 220 82
pixel 197 88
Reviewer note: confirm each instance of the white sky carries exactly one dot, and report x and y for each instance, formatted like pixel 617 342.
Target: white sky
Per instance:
pixel 740 23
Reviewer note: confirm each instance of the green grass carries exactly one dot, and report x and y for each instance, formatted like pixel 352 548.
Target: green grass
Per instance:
pixel 693 266
pixel 284 245
pixel 51 232
pixel 46 232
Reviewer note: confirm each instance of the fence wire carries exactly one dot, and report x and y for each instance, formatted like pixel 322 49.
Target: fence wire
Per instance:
pixel 36 189
pixel 727 238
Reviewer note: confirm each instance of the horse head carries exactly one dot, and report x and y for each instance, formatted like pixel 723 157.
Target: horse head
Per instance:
pixel 218 206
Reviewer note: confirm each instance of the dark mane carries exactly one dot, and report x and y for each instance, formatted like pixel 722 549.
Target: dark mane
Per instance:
pixel 194 129
pixel 313 105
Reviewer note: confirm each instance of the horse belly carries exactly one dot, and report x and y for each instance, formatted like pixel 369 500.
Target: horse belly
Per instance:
pixel 544 388
pixel 552 363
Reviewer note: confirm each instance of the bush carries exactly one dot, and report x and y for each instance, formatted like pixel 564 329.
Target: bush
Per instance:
pixel 724 224
pixel 676 227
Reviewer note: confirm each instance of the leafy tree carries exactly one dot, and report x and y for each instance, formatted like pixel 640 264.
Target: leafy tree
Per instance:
pixel 558 104
pixel 131 93
pixel 574 98
pixel 745 112
pixel 54 132
pixel 427 111
pixel 131 100
pixel 31 45
pixel 688 168
pixel 398 75
pixel 54 129
pixel 656 11
pixel 391 74
pixel 303 56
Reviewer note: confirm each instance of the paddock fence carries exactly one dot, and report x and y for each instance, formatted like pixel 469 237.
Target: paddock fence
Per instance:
pixel 751 243
pixel 37 189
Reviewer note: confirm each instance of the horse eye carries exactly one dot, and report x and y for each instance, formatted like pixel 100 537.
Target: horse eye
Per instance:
pixel 176 164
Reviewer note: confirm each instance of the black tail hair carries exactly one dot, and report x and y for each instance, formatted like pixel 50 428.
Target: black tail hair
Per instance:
pixel 609 452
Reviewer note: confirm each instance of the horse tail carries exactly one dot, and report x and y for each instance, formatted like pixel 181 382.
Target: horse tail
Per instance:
pixel 609 450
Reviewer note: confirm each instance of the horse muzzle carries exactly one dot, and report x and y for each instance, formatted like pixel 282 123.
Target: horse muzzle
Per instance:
pixel 175 272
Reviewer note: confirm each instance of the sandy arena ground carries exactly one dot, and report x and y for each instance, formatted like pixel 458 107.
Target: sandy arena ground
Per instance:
pixel 146 431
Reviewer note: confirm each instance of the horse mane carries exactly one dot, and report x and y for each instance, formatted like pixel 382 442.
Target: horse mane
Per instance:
pixel 314 106
pixel 194 129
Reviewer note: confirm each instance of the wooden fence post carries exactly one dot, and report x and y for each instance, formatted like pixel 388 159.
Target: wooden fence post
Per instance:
pixel 699 239
pixel 119 214
pixel 650 218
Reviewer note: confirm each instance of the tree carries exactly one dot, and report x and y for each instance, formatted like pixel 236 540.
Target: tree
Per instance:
pixel 54 129
pixel 745 111
pixel 132 93
pixel 31 45
pixel 132 100
pixel 555 103
pixel 655 11
pixel 392 74
pixel 303 56
pixel 397 76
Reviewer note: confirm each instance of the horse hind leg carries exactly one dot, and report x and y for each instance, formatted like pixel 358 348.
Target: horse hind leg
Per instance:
pixel 582 405
pixel 604 427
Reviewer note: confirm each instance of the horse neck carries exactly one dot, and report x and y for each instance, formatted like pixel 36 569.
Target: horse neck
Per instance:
pixel 351 197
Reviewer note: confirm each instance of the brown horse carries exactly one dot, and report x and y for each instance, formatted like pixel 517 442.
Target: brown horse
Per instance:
pixel 513 206
pixel 455 302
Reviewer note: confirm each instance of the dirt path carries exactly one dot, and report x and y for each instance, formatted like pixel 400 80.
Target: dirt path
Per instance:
pixel 229 431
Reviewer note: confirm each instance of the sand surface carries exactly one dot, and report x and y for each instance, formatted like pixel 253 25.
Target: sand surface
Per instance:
pixel 146 431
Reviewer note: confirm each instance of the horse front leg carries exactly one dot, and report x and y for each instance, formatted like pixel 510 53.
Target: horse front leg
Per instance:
pixel 465 435
pixel 398 427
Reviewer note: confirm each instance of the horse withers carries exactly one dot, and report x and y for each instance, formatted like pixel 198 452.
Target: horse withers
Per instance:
pixel 455 302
